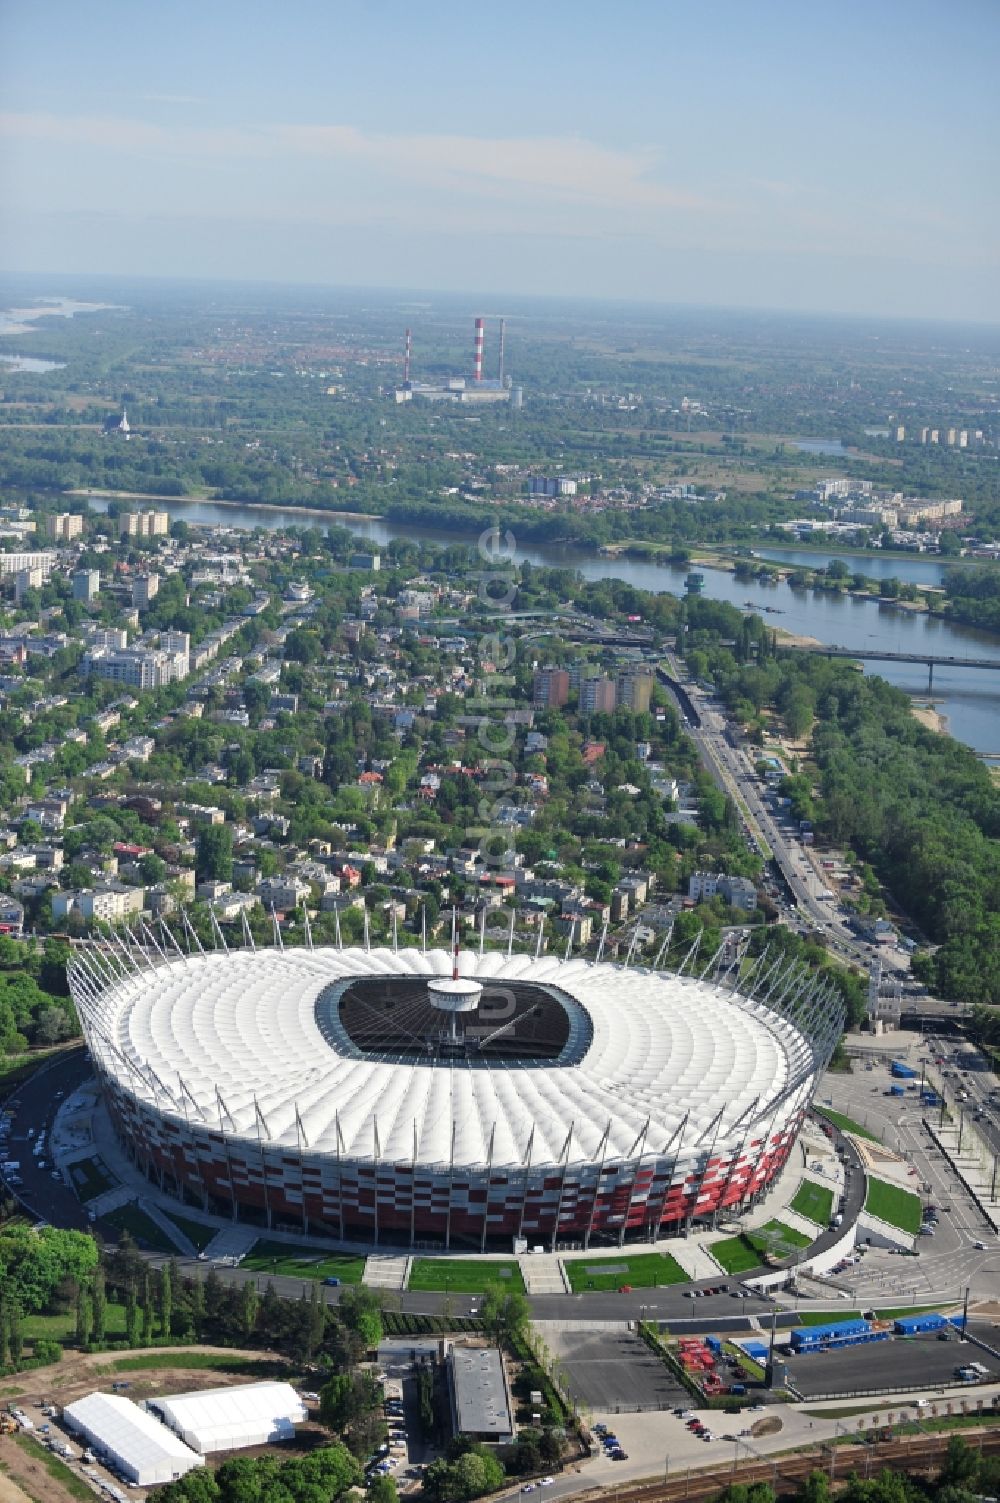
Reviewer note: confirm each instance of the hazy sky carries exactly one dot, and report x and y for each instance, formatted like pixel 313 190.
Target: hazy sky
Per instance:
pixel 814 154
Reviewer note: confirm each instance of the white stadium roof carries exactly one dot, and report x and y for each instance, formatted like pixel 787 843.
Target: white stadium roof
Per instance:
pixel 146 1451
pixel 225 1035
pixel 225 1419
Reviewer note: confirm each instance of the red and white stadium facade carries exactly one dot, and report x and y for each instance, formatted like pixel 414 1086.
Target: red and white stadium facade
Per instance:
pixel 396 1097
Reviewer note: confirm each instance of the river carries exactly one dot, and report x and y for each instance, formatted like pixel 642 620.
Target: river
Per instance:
pixel 968 697
pixel 915 568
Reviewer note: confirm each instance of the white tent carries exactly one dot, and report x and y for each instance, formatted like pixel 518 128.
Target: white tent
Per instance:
pixel 226 1419
pixel 146 1451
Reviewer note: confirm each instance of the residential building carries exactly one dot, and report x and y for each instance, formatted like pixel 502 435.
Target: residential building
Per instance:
pixel 551 687
pixel 86 584
pixel 738 892
pixel 635 688
pixel 598 696
pixel 27 579
pixel 64 526
pixel 111 903
pixel 13 563
pixel 145 588
pixel 144 524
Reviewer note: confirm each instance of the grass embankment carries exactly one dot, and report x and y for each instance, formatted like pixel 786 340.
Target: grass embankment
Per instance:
pixel 141 1228
pixel 197 1233
pixel 17 1067
pixel 814 1202
pixel 895 1312
pixel 57 1470
pixel 463 1276
pixel 191 1360
pixel 892 1204
pixel 279 1257
pixel 90 1178
pixel 846 1124
pixel 740 1254
pixel 641 1270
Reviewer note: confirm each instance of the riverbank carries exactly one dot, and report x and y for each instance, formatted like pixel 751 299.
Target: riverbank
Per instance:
pixel 204 498
pixel 931 719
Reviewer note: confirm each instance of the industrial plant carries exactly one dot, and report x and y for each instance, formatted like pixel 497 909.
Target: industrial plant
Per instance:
pixel 477 389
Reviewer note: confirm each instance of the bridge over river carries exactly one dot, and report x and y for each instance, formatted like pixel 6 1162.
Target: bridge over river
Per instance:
pixel 880 655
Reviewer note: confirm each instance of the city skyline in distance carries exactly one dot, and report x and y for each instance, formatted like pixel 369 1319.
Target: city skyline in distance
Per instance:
pixel 787 158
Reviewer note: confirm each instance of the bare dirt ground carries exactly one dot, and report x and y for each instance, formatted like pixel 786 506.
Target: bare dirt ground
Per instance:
pixel 9 1490
pixel 78 1374
pixel 23 1478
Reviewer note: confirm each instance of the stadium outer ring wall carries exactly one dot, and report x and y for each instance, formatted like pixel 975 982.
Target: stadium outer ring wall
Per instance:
pixel 368 1201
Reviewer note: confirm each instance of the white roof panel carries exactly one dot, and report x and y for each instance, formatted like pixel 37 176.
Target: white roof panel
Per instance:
pixel 145 1449
pixel 224 1419
pixel 642 1046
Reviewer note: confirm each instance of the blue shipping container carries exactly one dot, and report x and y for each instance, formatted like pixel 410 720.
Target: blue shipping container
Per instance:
pixel 714 1344
pixel 912 1325
pixel 901 1071
pixel 806 1336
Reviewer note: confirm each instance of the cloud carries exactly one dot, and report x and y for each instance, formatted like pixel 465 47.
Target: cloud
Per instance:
pixel 570 167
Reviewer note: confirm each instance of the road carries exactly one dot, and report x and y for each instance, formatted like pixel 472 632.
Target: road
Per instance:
pixel 735 776
pixel 950 1258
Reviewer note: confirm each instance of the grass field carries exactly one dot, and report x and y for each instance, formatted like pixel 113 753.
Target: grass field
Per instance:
pixel 279 1257
pixel 846 1124
pixel 141 1227
pixel 740 1254
pixel 90 1178
pixel 194 1359
pixel 641 1270
pixel 57 1470
pixel 814 1202
pixel 463 1276
pixel 899 1207
pixel 896 1312
pixel 196 1232
pixel 63 1327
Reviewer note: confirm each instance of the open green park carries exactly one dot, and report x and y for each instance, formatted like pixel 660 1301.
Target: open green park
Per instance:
pixel 465 1275
pixel 814 1202
pixel 279 1257
pixel 893 1204
pixel 640 1270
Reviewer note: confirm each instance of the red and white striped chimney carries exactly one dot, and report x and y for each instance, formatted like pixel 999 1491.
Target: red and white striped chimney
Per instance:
pixel 406 359
pixel 477 364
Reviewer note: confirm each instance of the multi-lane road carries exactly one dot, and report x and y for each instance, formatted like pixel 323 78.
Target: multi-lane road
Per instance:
pixel 736 777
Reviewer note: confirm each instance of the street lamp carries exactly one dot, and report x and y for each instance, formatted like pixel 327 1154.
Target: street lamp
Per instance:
pixel 992 1268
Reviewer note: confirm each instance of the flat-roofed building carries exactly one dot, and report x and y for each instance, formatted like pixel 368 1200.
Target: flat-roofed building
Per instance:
pixel 480 1398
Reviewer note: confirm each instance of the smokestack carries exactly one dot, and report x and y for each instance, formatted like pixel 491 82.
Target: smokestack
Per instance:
pixel 502 324
pixel 477 364
pixel 406 359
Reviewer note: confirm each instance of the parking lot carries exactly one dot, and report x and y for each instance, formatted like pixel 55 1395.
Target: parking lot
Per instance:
pixel 607 1370
pixel 920 1361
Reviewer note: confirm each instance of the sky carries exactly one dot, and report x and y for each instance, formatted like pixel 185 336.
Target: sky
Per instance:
pixel 813 155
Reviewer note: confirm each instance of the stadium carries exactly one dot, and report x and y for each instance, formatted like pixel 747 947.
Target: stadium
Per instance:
pixel 415 1098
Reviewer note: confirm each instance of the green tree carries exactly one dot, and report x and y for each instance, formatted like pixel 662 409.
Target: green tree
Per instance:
pixel 214 853
pixel 505 1314
pixel 361 1310
pixel 99 1302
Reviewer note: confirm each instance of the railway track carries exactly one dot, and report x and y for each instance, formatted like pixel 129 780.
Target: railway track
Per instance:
pixel 910 1454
